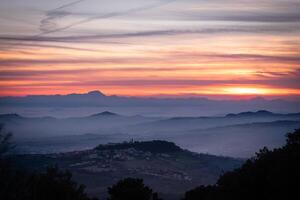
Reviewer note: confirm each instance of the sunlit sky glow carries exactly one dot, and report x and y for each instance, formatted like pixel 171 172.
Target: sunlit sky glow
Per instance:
pixel 150 47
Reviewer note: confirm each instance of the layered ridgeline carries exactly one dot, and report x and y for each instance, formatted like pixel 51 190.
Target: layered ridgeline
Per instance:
pixel 164 166
pixel 237 135
pixel 96 101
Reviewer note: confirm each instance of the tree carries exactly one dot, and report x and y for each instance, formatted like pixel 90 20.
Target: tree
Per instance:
pixel 53 184
pixel 293 138
pixel 56 184
pixel 21 185
pixel 131 189
pixel 270 175
pixel 199 193
pixel 5 141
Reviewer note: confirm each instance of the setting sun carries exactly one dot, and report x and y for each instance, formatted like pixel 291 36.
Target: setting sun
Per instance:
pixel 246 91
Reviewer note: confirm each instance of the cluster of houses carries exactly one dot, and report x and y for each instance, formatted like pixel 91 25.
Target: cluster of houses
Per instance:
pixel 98 161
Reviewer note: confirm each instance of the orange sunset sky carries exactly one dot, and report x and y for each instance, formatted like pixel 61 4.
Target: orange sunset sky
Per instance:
pixel 150 47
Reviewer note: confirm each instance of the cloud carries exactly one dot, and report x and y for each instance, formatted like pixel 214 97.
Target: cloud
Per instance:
pixel 48 23
pixel 257 16
pixel 57 14
pixel 5 46
pixel 168 57
pixel 154 33
pixel 290 82
pixel 135 60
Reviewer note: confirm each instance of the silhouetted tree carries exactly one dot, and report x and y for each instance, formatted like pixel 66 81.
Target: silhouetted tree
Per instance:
pixel 293 138
pixel 201 192
pixel 270 175
pixel 5 141
pixel 131 189
pixel 19 185
pixel 51 185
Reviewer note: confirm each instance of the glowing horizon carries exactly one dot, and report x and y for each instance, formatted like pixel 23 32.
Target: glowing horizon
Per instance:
pixel 154 48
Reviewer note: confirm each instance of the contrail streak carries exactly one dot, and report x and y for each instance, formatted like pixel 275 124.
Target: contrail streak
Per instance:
pixel 108 15
pixel 68 5
pixel 55 14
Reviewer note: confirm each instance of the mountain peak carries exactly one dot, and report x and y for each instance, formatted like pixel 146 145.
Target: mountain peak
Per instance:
pixel 258 113
pixel 95 93
pixel 258 98
pixel 12 115
pixel 264 112
pixel 105 113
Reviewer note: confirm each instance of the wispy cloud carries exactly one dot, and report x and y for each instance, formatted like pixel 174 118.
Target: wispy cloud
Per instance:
pixel 57 14
pixel 49 22
pixel 167 58
pixel 289 80
pixel 153 33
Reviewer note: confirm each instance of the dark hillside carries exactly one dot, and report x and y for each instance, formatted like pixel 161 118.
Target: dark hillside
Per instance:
pixel 155 146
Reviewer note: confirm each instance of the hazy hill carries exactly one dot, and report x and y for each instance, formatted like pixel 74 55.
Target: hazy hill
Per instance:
pixel 241 140
pixel 238 135
pixel 41 127
pixel 190 123
pixel 112 123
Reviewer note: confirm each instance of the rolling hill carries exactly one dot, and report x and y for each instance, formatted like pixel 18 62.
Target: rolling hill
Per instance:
pixel 164 166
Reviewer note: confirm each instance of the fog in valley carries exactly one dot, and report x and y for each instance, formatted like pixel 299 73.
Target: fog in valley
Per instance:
pixel 201 127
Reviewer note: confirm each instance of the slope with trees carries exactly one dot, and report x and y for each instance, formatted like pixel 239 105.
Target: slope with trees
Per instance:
pixel 270 175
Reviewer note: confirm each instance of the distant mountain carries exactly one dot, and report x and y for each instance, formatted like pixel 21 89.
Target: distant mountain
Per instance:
pixel 10 116
pixel 104 114
pixel 190 123
pixel 95 93
pixel 45 127
pixel 96 101
pixel 137 126
pixel 163 165
pixel 262 113
pixel 237 135
pixel 247 114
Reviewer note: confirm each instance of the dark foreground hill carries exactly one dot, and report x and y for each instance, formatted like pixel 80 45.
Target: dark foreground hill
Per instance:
pixel 270 175
pixel 165 167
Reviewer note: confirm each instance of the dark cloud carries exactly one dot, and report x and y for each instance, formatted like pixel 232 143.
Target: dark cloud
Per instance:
pixel 16 46
pixel 168 58
pixel 243 16
pixel 289 79
pixel 71 61
pixel 291 82
pixel 154 33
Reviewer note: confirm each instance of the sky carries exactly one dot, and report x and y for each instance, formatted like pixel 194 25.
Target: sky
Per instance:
pixel 213 48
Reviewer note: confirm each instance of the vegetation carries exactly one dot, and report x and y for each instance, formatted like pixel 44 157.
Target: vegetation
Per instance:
pixel 155 146
pixel 19 185
pixel 270 175
pixel 5 141
pixel 133 189
pixel 53 184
